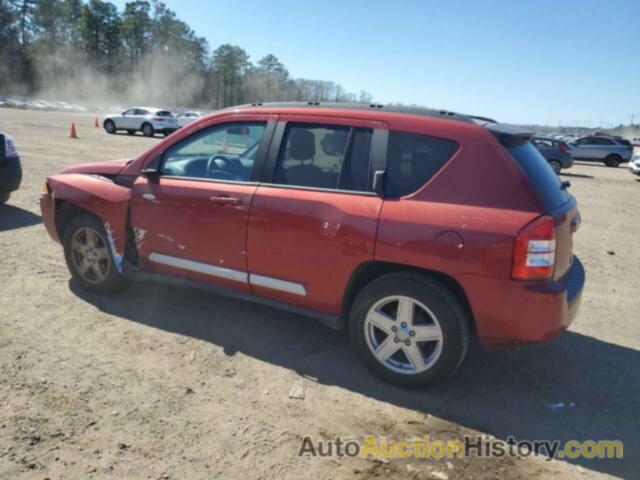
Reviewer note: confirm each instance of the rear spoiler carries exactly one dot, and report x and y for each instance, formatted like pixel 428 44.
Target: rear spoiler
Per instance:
pixel 507 135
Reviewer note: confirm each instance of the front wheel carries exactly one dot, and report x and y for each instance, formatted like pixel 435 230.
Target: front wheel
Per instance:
pixel 110 127
pixel 89 257
pixel 409 329
pixel 612 161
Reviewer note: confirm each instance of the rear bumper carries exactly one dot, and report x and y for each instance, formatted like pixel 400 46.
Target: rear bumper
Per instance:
pixel 567 161
pixel 510 313
pixel 10 174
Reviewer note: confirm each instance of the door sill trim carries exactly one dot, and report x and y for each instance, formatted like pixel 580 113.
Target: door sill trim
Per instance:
pixel 229 274
pixel 207 269
pixel 275 284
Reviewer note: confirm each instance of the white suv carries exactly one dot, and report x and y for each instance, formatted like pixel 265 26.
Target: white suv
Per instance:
pixel 149 121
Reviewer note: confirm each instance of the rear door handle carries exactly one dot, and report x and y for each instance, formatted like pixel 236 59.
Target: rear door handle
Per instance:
pixel 148 196
pixel 225 200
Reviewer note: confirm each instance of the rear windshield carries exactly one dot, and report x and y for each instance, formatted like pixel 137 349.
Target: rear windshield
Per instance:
pixel 164 113
pixel 624 142
pixel 544 180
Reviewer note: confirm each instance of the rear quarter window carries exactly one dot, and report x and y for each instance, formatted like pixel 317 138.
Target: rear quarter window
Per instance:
pixel 544 180
pixel 412 160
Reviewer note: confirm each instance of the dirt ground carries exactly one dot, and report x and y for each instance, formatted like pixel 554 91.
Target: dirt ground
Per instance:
pixel 159 382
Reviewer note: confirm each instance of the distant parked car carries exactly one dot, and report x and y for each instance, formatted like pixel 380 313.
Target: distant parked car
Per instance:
pixel 10 168
pixel 185 118
pixel 556 152
pixel 597 148
pixel 41 105
pixel 149 121
pixel 634 164
pixel 13 103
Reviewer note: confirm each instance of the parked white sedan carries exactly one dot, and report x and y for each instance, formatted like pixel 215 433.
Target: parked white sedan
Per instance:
pixel 185 118
pixel 149 121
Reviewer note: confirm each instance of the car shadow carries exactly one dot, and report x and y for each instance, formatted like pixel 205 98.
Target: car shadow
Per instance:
pixel 576 175
pixel 12 217
pixel 597 164
pixel 507 393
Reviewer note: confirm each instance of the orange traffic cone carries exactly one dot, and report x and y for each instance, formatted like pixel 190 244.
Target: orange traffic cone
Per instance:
pixel 96 123
pixel 73 131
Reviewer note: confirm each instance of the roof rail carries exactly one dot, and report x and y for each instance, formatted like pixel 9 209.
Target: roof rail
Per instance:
pixel 506 134
pixel 369 106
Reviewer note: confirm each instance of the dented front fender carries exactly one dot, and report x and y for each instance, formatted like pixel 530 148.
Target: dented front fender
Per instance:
pixel 99 195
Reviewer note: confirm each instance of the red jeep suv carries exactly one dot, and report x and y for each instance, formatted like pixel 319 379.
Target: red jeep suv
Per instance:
pixel 412 228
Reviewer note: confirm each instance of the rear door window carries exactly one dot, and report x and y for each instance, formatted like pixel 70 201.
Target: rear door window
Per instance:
pixel 412 160
pixel 543 178
pixel 325 156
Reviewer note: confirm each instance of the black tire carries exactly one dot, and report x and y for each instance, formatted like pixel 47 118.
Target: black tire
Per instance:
pixel 451 316
pixel 110 127
pixel 148 130
pixel 612 160
pixel 556 166
pixel 113 279
pixel 4 197
pixel 131 132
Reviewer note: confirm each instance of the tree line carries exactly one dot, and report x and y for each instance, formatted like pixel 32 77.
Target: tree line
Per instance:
pixel 143 53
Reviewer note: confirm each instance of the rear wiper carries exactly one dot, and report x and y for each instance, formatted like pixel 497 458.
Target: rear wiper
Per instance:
pixel 565 184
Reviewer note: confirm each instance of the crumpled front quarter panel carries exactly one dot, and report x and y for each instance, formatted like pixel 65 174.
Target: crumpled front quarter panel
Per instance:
pixel 102 197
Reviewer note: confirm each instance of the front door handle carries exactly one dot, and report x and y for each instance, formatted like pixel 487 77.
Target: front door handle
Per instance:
pixel 148 196
pixel 225 200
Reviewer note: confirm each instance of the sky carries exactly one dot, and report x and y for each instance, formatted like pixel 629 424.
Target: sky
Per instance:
pixel 546 62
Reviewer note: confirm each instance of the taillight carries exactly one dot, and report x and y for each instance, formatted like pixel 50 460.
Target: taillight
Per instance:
pixel 158 119
pixel 534 251
pixel 564 147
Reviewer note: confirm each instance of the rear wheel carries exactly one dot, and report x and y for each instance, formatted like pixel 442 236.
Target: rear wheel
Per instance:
pixel 148 130
pixel 409 329
pixel 109 126
pixel 555 165
pixel 612 161
pixel 89 257
pixel 4 197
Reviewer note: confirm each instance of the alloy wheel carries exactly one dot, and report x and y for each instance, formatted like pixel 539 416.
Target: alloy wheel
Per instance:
pixel 89 255
pixel 403 334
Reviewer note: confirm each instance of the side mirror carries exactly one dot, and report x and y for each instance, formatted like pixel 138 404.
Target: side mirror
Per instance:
pixel 152 169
